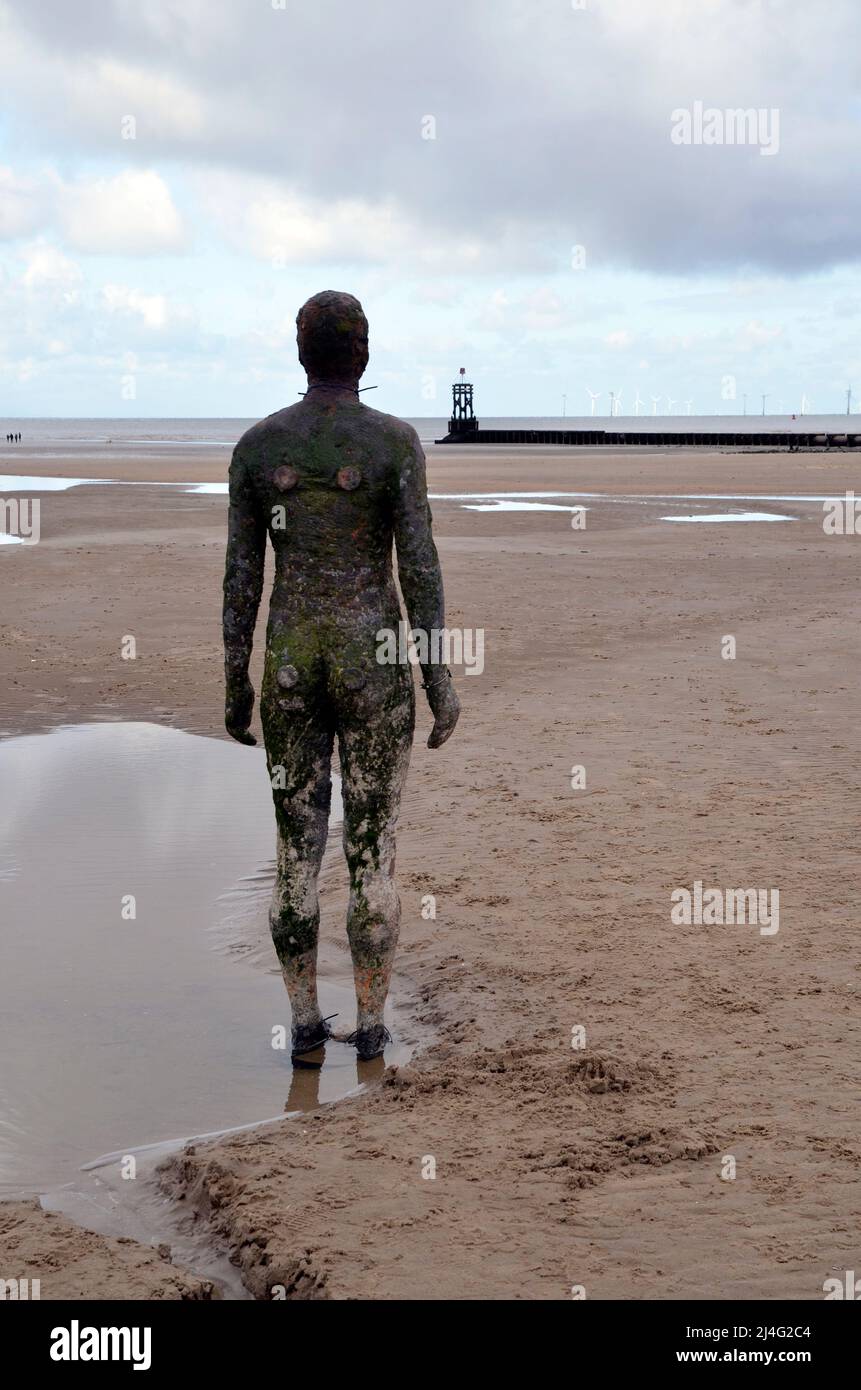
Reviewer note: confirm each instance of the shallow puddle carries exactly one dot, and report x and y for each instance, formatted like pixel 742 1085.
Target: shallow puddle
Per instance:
pixel 23 482
pixel 119 1032
pixel 506 505
pixel 732 516
pixel 551 501
pixel 475 501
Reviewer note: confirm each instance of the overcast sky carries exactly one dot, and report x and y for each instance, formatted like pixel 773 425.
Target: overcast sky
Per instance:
pixel 503 183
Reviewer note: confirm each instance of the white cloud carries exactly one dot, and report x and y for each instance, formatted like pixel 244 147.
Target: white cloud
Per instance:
pixel 494 314
pixel 539 310
pixel 131 213
pixel 45 265
pixel 20 204
pixel 290 230
pixel 543 311
pixel 755 333
pixel 152 308
pixel 279 225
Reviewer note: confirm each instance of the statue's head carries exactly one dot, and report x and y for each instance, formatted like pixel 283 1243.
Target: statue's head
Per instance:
pixel 332 334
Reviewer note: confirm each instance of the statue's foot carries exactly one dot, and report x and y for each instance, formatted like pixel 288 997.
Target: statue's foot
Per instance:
pixel 369 1042
pixel 309 1036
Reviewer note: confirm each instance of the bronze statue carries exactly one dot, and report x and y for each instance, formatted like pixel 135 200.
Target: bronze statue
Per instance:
pixel 333 483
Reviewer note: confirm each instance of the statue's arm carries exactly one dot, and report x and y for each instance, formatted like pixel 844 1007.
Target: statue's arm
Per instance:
pixel 421 582
pixel 243 585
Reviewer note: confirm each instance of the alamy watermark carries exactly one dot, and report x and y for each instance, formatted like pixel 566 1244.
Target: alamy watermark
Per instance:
pixel 20 1290
pixel 21 519
pixel 84 1343
pixel 718 907
pixel 846 1288
pixel 441 646
pixel 842 516
pixel 709 125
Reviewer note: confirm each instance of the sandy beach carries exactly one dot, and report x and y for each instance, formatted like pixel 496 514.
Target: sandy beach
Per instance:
pixel 603 1167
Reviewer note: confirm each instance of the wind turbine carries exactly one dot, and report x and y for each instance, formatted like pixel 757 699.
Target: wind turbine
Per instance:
pixel 617 402
pixel 806 403
pixel 638 402
pixel 594 396
pixel 670 404
pixel 689 404
pixel 655 401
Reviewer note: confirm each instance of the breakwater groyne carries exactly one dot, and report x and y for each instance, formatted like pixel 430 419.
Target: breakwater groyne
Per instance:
pixel 790 440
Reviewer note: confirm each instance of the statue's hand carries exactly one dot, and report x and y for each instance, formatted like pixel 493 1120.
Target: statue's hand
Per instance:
pixel 238 705
pixel 445 708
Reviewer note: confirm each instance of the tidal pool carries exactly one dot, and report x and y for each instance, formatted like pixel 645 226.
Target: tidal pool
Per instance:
pixel 120 1031
pixel 23 482
pixel 732 516
pixel 505 505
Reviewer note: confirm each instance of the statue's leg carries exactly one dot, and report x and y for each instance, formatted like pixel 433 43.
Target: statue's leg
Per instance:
pixel 375 732
pixel 299 740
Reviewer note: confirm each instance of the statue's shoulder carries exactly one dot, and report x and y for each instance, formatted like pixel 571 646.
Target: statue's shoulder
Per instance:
pixel 267 430
pixel 392 428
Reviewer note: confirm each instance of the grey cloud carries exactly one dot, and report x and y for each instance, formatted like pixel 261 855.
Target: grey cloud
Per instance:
pixel 553 125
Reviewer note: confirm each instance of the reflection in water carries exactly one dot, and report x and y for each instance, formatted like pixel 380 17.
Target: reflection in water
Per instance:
pixel 121 1022
pixel 308 1071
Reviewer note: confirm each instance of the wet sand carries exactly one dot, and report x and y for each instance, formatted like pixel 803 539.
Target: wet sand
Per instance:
pixel 555 1166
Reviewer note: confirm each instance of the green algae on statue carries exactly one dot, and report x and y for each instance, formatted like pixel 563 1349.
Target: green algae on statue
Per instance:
pixel 333 484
